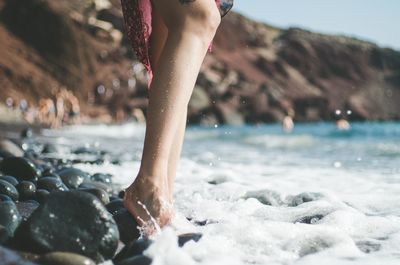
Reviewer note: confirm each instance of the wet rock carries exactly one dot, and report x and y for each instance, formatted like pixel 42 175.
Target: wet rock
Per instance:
pixel 52 175
pixel 368 246
pixel 303 198
pixel 137 260
pixel 9 217
pixel 27 208
pixel 51 184
pixel 10 179
pixel 127 226
pixel 41 195
pixel 26 190
pixel 99 193
pixel 135 248
pixel 96 185
pixel 86 151
pixel 310 219
pixel 73 177
pixel 4 236
pixel 26 133
pixel 5 198
pixel 267 197
pixel 72 221
pixel 184 238
pixel 114 206
pixel 8 189
pixel 9 257
pixel 103 178
pixel 49 149
pixel 11 148
pixel 64 258
pixel 19 167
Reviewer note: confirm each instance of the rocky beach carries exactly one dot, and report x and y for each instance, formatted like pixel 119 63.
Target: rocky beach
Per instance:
pixel 52 213
pixel 256 73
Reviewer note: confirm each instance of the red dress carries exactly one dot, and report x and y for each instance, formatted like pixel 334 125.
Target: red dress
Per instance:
pixel 137 17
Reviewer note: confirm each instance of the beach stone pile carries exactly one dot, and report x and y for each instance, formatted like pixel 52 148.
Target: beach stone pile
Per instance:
pixel 54 213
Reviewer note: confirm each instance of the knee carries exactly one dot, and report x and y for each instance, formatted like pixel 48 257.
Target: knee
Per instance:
pixel 202 21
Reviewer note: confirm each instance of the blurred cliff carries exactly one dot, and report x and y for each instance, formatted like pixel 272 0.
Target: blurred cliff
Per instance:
pixel 74 54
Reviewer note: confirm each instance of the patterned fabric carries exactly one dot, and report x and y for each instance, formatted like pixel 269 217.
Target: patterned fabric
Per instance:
pixel 137 17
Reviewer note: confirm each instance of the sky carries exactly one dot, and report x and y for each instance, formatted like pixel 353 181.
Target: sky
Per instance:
pixel 372 20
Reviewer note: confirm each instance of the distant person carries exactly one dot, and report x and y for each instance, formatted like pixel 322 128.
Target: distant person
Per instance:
pixel 342 123
pixel 171 38
pixel 287 122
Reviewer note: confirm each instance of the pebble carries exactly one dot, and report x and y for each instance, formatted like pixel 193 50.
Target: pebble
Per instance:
pixel 5 198
pixel 9 217
pixel 10 179
pixel 9 257
pixel 19 167
pixel 71 221
pixel 184 238
pixel 114 206
pixel 8 189
pixel 132 249
pixel 64 258
pixel 41 195
pixel 99 193
pixel 127 226
pixel 103 178
pixel 26 190
pixel 27 208
pixel 10 148
pixel 51 184
pixel 73 177
pixel 137 260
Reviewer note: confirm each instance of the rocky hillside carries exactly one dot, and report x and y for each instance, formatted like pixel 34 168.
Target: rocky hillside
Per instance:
pixel 256 73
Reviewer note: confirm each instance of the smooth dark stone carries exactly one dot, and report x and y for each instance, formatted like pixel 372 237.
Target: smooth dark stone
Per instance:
pixel 121 194
pixel 5 154
pixel 303 198
pixel 9 217
pixel 19 167
pixel 127 226
pixel 267 197
pixel 86 151
pixel 26 190
pixel 9 257
pixel 41 195
pixel 26 133
pixel 53 175
pixel 73 177
pixel 132 249
pixel 10 179
pixel 368 246
pixel 114 206
pixel 27 208
pixel 137 260
pixel 51 184
pixel 96 185
pixel 11 148
pixel 5 198
pixel 64 258
pixel 49 149
pixel 310 219
pixel 102 195
pixel 8 189
pixel 72 221
pixel 184 238
pixel 103 178
pixel 4 236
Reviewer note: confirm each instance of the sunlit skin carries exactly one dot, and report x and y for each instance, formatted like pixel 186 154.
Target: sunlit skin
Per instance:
pixel 181 36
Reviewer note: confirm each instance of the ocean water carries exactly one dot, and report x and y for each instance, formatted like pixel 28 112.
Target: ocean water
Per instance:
pixel 261 196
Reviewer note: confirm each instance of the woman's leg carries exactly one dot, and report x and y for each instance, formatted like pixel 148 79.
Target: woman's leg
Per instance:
pixel 157 43
pixel 191 27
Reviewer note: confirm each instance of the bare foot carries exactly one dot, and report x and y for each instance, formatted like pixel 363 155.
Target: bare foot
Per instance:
pixel 149 202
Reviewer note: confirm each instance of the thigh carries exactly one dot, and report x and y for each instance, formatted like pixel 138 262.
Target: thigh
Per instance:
pixel 176 13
